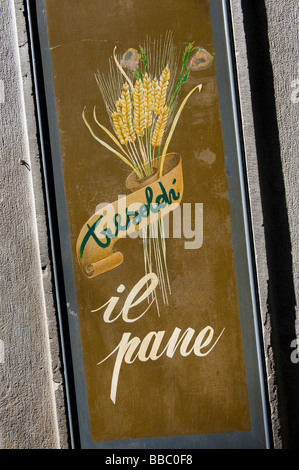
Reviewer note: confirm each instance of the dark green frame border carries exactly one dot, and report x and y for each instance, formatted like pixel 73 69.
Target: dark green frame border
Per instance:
pixel 258 437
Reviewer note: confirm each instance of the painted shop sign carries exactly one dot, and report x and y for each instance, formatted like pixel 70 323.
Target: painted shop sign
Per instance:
pixel 147 183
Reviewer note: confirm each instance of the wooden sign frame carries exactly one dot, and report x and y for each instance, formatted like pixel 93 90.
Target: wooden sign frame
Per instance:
pixel 95 260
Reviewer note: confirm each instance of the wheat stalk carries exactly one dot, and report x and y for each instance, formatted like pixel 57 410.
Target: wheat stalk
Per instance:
pixel 111 149
pixel 148 100
pixel 174 123
pixel 121 69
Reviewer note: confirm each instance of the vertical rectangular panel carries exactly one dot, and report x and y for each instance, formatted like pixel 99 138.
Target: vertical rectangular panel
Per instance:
pixel 151 204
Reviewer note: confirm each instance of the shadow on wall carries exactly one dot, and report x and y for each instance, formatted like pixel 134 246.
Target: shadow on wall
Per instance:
pixel 281 291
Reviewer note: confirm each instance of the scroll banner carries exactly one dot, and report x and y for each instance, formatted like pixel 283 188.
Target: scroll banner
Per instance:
pixel 151 199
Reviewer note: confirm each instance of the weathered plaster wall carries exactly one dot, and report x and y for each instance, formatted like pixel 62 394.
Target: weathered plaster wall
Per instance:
pixel 266 43
pixel 32 405
pixel 283 29
pixel 31 397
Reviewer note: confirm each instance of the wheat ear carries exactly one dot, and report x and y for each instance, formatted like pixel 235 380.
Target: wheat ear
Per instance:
pixel 118 126
pixel 127 114
pixel 160 99
pixel 138 101
pixel 160 127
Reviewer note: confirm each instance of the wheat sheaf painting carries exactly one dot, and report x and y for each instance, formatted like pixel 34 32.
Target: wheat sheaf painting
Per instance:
pixel 144 97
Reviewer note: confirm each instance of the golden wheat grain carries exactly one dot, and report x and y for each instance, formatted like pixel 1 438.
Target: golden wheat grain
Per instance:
pixel 148 100
pixel 118 126
pixel 126 106
pixel 138 102
pixel 160 127
pixel 119 106
pixel 160 98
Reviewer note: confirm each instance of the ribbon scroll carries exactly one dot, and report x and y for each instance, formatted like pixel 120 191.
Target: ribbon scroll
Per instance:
pixel 150 199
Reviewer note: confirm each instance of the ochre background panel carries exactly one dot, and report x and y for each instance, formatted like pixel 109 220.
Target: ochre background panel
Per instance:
pixel 169 396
